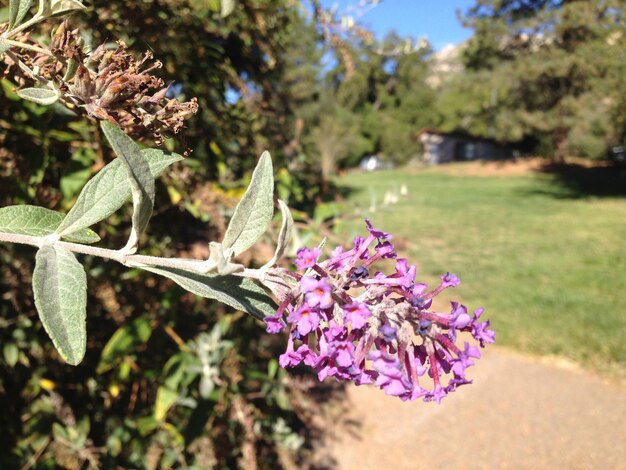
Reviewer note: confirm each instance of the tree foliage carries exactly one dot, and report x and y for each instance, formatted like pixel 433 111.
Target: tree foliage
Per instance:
pixel 546 70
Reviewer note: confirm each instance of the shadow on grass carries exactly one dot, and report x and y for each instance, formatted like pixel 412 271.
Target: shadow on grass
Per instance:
pixel 574 181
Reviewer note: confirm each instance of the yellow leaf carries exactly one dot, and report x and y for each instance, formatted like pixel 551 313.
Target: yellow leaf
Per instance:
pixel 47 384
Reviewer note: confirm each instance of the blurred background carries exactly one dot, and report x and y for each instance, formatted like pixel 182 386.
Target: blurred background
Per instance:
pixel 488 136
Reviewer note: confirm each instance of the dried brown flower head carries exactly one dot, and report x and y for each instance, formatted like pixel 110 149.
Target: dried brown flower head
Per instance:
pixel 109 85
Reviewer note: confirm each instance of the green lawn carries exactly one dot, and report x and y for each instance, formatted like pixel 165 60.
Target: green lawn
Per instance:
pixel 550 268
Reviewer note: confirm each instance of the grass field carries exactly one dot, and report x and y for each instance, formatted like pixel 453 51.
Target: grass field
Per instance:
pixel 546 259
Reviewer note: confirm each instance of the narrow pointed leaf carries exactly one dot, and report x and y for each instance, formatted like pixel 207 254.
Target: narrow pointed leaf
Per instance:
pixel 42 96
pixel 236 291
pixel 139 177
pixel 284 235
pixel 60 288
pixel 39 222
pixel 108 190
pixel 61 7
pixel 17 11
pixel 3 46
pixel 226 7
pixel 165 399
pixel 123 342
pixel 254 212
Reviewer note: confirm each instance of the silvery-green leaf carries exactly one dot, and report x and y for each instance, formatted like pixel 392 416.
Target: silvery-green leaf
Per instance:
pixel 60 7
pixel 236 291
pixel 108 190
pixel 3 46
pixel 218 262
pixel 60 288
pixel 254 212
pixel 39 222
pixel 17 11
pixel 283 236
pixel 226 7
pixel 42 96
pixel 139 177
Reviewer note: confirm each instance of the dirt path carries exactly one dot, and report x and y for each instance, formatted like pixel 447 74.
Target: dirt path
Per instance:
pixel 519 413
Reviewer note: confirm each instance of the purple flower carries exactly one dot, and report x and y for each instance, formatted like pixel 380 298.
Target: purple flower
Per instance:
pixel 391 377
pixel 335 331
pixel 450 280
pixel 464 361
pixel 356 313
pixel 350 324
pixel 482 333
pixel 290 358
pixel 388 332
pixel 437 394
pixel 306 258
pixel 385 250
pixel 459 316
pixel 376 233
pixel 305 318
pixel 274 323
pixel 342 353
pixel 318 292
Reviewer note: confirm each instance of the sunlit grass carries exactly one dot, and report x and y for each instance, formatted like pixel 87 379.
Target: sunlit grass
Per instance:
pixel 549 268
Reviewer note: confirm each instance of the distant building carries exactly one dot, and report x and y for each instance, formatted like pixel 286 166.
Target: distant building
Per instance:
pixel 443 147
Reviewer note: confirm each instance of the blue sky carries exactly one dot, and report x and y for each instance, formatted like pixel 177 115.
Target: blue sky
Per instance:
pixel 435 19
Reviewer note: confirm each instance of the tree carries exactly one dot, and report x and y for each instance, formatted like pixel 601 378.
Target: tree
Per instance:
pixel 544 69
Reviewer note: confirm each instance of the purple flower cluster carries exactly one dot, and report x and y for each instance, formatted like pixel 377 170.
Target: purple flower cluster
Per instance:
pixel 349 322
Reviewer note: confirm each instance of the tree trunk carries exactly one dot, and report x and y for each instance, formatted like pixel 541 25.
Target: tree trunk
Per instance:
pixel 559 140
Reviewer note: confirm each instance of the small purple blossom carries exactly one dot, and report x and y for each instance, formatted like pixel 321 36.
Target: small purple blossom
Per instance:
pixel 306 258
pixel 450 280
pixel 356 314
pixel 290 358
pixel 388 333
pixel 376 233
pixel 380 329
pixel 459 316
pixel 305 318
pixel 274 323
pixel 317 292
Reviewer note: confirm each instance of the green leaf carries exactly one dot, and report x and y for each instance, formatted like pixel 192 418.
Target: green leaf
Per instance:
pixel 284 235
pixel 42 96
pixel 164 400
pixel 11 354
pixel 17 11
pixel 108 190
pixel 236 291
pixel 146 425
pixel 3 46
pixel 73 182
pixel 40 222
pixel 123 341
pixel 139 176
pixel 254 212
pixel 218 262
pixel 61 7
pixel 60 288
pixel 226 7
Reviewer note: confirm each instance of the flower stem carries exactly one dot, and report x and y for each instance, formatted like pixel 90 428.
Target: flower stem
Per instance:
pixel 121 256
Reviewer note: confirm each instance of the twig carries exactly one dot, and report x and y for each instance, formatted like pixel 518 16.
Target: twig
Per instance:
pixel 123 257
pixel 33 460
pixel 31 47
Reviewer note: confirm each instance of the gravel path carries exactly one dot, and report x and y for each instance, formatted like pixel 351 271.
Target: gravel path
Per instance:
pixel 520 413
